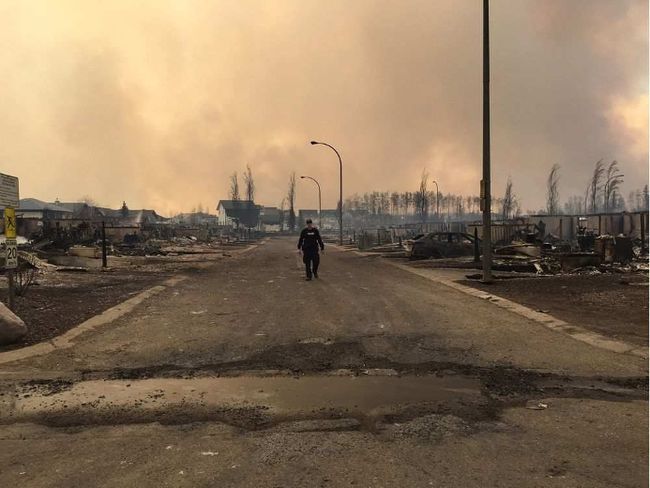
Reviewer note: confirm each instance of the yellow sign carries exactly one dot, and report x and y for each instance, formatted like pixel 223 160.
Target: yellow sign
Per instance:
pixel 10 223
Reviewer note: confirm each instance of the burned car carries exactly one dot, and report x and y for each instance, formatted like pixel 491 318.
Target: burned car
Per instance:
pixel 441 245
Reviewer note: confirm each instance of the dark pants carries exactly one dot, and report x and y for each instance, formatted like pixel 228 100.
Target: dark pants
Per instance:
pixel 311 260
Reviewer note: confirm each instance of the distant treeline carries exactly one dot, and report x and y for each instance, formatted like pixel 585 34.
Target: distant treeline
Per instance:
pixel 601 196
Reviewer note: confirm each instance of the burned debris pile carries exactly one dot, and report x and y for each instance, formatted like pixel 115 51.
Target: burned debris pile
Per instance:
pixel 577 245
pixel 66 277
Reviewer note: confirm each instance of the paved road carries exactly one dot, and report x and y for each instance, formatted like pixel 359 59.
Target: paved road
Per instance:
pixel 245 375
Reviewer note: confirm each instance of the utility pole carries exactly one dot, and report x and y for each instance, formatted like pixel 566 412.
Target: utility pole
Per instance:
pixel 486 199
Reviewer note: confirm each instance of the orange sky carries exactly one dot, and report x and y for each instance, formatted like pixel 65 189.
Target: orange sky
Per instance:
pixel 157 102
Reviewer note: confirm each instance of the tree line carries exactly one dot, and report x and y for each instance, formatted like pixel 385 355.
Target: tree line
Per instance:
pixel 602 194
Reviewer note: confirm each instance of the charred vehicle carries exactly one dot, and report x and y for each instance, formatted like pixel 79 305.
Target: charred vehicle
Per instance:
pixel 441 245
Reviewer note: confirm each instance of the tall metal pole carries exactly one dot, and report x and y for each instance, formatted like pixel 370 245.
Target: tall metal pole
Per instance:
pixel 437 198
pixel 320 221
pixel 11 302
pixel 340 188
pixel 486 184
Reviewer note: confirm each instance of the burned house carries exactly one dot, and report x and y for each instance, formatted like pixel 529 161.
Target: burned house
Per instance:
pixel 195 219
pixel 327 220
pixel 36 217
pixel 79 221
pixel 270 219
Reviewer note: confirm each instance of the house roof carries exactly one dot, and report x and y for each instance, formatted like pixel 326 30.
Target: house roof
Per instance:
pixel 33 204
pixel 235 204
pixel 139 216
pixel 82 210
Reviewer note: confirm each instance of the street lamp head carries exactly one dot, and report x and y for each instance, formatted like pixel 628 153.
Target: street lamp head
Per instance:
pixel 314 142
pixel 303 177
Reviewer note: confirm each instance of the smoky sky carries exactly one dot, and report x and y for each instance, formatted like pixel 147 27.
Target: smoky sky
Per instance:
pixel 158 102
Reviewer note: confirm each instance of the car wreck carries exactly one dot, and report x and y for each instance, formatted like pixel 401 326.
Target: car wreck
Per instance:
pixel 439 245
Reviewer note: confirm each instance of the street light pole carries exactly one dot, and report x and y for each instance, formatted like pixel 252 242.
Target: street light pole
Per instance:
pixel 340 188
pixel 320 222
pixel 486 184
pixel 437 197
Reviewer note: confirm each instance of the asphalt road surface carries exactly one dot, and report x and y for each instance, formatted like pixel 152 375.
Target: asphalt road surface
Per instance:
pixel 245 375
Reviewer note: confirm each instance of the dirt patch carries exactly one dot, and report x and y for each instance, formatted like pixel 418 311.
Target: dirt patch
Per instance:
pixel 60 301
pixel 614 305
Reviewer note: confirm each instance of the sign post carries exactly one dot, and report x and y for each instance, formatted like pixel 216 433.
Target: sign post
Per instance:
pixel 9 200
pixel 11 263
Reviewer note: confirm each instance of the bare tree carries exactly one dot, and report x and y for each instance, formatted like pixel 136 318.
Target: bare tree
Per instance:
pixel 25 278
pixel 249 184
pixel 552 191
pixel 586 206
pixel 291 199
pixel 384 202
pixel 509 201
pixel 408 201
pixel 459 204
pixel 595 185
pixel 88 200
pixel 469 202
pixel 372 203
pixel 394 203
pixel 422 197
pixel 234 186
pixel 612 183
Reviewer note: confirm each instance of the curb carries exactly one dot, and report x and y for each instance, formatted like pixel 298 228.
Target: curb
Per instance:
pixel 576 332
pixel 65 340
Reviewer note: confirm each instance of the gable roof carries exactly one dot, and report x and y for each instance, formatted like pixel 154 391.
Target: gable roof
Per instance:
pixel 235 204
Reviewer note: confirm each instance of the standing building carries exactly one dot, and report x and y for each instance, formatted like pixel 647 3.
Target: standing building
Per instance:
pixel 238 213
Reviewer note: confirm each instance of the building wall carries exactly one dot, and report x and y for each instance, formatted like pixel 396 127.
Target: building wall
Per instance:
pixel 222 218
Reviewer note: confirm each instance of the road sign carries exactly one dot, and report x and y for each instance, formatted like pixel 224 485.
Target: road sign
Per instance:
pixel 8 191
pixel 10 223
pixel 11 259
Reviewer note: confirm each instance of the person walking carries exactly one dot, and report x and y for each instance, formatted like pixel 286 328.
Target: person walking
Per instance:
pixel 309 244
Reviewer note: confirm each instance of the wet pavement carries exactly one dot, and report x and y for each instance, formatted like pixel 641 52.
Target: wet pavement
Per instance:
pixel 266 400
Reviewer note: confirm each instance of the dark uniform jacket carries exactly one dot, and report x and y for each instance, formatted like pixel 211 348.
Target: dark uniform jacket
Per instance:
pixel 310 240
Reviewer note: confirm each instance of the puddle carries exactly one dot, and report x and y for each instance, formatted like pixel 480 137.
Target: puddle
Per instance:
pixel 363 395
